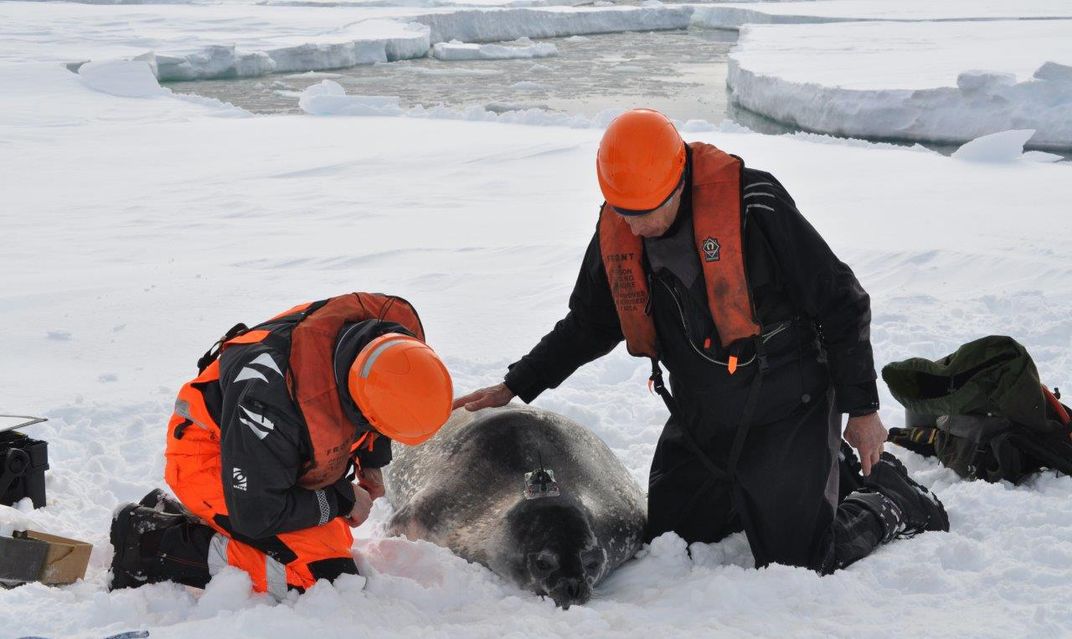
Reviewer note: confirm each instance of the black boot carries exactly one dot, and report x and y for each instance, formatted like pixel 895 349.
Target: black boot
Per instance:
pixel 864 520
pixel 160 501
pixel 918 508
pixel 153 546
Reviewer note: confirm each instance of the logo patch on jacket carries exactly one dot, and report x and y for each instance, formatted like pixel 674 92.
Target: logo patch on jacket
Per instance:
pixel 259 424
pixel 239 479
pixel 711 250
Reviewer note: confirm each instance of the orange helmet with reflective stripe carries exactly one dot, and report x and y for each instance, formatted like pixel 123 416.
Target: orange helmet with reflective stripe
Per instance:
pixel 402 387
pixel 640 161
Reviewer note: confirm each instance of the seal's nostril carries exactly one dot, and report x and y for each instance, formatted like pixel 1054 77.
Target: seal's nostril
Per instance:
pixel 573 587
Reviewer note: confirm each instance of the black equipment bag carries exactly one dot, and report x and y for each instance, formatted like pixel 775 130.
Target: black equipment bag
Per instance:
pixel 23 462
pixel 982 412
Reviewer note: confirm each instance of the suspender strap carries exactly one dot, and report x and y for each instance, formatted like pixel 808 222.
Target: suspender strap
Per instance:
pixel 741 434
pixel 749 409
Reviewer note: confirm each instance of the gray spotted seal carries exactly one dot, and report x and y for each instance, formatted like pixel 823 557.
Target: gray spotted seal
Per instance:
pixel 533 496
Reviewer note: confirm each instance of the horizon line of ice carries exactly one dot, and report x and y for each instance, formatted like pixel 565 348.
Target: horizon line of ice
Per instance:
pixel 414 38
pixel 734 18
pixel 982 103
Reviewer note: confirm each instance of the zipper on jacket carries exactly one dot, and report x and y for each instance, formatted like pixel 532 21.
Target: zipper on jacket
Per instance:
pixel 649 305
pixel 685 328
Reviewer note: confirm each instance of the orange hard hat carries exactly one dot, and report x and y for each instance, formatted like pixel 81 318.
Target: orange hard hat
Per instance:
pixel 402 387
pixel 640 162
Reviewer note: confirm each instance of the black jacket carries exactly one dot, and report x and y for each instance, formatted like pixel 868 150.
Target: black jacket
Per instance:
pixel 801 292
pixel 264 441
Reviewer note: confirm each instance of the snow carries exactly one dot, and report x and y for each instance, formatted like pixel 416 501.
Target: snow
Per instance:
pixel 519 49
pixel 939 81
pixel 202 41
pixel 733 15
pixel 329 98
pixel 128 79
pixel 1004 146
pixel 139 224
pixel 142 227
pixel 494 25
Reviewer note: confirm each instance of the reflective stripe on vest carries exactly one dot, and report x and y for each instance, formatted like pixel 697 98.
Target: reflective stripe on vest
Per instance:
pixel 717 229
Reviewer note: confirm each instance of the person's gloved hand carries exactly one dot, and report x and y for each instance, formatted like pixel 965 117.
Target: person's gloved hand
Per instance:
pixel 362 506
pixel 867 435
pixel 371 479
pixel 490 397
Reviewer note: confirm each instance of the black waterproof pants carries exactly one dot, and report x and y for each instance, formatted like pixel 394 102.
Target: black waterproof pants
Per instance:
pixel 785 494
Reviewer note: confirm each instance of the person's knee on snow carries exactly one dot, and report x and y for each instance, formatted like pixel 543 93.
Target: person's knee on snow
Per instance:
pixel 707 267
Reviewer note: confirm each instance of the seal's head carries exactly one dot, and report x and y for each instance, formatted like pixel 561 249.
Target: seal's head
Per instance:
pixel 557 553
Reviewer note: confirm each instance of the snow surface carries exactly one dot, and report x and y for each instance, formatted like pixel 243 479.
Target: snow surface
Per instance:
pixel 938 81
pixel 140 228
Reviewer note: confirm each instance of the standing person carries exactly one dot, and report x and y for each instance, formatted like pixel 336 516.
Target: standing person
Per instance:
pixel 261 442
pixel 706 266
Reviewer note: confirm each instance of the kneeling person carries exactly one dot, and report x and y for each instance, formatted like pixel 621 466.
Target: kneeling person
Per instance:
pixel 261 444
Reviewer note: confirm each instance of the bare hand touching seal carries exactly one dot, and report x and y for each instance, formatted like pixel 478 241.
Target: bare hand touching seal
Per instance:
pixel 362 506
pixel 867 435
pixel 490 397
pixel 371 479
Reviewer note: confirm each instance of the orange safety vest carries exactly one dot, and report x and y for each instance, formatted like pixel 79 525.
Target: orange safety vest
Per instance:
pixel 717 228
pixel 310 378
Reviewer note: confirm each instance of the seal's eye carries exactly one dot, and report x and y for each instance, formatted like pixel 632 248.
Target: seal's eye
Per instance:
pixel 592 560
pixel 544 561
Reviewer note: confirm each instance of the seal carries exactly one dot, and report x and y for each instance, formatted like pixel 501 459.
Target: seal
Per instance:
pixel 535 497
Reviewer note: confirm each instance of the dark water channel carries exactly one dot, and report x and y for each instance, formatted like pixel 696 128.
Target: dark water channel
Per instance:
pixel 682 73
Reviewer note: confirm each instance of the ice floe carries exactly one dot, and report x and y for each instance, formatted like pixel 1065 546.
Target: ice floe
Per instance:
pixel 939 81
pixel 519 49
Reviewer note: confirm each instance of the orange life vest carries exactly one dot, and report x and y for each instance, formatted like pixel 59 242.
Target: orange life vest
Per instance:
pixel 717 228
pixel 310 378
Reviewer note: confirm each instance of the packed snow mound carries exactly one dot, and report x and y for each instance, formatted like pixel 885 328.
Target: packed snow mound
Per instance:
pixel 329 98
pixel 519 49
pixel 49 96
pixel 911 81
pixel 1004 146
pixel 123 78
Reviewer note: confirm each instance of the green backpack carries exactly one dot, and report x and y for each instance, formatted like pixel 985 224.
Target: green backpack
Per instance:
pixel 982 411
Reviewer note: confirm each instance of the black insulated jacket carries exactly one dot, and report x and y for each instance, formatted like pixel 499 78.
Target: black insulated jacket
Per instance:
pixel 814 313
